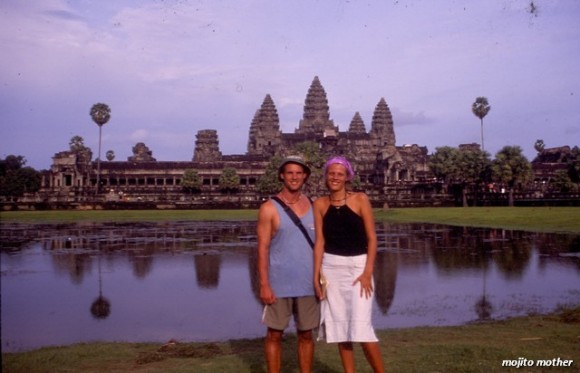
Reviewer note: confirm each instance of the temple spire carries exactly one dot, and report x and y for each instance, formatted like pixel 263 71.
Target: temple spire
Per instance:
pixel 357 125
pixel 207 147
pixel 265 131
pixel 316 118
pixel 382 125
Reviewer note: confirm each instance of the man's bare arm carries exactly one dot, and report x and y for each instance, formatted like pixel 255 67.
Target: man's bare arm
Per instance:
pixel 264 230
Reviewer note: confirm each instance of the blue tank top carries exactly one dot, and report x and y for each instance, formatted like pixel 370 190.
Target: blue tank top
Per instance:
pixel 291 257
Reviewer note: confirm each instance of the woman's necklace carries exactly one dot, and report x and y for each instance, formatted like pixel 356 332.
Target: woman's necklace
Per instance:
pixel 293 202
pixel 339 199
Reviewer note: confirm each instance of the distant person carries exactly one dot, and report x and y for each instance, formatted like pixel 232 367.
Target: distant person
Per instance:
pixel 285 266
pixel 344 255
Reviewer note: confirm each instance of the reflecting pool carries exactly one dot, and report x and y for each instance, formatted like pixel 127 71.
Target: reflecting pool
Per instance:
pixel 197 281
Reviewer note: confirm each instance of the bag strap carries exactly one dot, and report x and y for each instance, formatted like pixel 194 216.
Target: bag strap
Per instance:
pixel 295 219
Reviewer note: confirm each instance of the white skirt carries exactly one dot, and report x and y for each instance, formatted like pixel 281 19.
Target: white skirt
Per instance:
pixel 345 315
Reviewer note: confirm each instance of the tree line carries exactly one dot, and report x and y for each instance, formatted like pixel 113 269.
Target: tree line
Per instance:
pixel 16 178
pixel 472 170
pixel 467 169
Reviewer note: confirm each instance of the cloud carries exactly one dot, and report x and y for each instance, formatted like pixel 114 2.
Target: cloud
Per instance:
pixel 403 118
pixel 63 15
pixel 139 135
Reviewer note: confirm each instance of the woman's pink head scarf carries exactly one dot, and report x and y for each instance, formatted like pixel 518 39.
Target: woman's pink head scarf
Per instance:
pixel 341 161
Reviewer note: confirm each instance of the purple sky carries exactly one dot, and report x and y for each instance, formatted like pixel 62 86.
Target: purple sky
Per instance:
pixel 168 69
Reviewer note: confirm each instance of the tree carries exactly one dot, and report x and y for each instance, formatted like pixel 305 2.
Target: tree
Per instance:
pixel 191 181
pixel 474 169
pixel 12 162
pixel 480 108
pixel 229 179
pixel 563 183
pixel 110 155
pixel 443 163
pixel 15 179
pixel 356 183
pixel 539 145
pixel 511 167
pixel 465 168
pixel 77 144
pixel 100 113
pixel 268 183
pixel 310 152
pixel 574 165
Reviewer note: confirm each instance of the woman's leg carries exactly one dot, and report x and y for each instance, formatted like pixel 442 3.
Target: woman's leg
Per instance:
pixel 372 352
pixel 347 356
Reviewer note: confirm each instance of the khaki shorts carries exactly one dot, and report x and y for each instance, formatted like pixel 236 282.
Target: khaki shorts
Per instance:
pixel 306 312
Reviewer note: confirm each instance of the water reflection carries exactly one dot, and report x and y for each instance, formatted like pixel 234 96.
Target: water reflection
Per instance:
pixel 101 307
pixel 197 281
pixel 207 269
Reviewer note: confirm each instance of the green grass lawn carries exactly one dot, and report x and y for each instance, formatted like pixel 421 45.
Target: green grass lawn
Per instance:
pixel 480 347
pixel 539 219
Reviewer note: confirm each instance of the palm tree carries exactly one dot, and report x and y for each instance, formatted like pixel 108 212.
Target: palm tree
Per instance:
pixel 77 144
pixel 539 146
pixel 480 108
pixel 101 113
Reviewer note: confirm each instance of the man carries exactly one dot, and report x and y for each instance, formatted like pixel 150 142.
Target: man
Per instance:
pixel 285 267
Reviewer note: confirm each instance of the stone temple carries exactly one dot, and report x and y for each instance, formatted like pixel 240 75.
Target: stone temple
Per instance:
pixel 380 164
pixel 377 160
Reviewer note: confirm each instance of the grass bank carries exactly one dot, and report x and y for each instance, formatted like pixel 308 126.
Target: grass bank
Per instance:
pixel 64 216
pixel 480 347
pixel 539 219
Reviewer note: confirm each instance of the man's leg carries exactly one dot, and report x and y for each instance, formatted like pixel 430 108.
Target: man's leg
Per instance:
pixel 305 350
pixel 347 356
pixel 372 352
pixel 273 350
pixel 307 317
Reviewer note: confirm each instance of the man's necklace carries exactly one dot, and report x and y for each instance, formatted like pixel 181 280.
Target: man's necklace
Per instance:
pixel 293 202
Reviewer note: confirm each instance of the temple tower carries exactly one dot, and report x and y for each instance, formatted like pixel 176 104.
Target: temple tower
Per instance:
pixel 141 153
pixel 382 131
pixel 316 120
pixel 265 135
pixel 357 126
pixel 356 145
pixel 206 147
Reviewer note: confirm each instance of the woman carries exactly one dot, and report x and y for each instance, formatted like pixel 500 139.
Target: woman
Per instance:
pixel 344 256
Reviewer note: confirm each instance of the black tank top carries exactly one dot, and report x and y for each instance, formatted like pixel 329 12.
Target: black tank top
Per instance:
pixel 344 232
